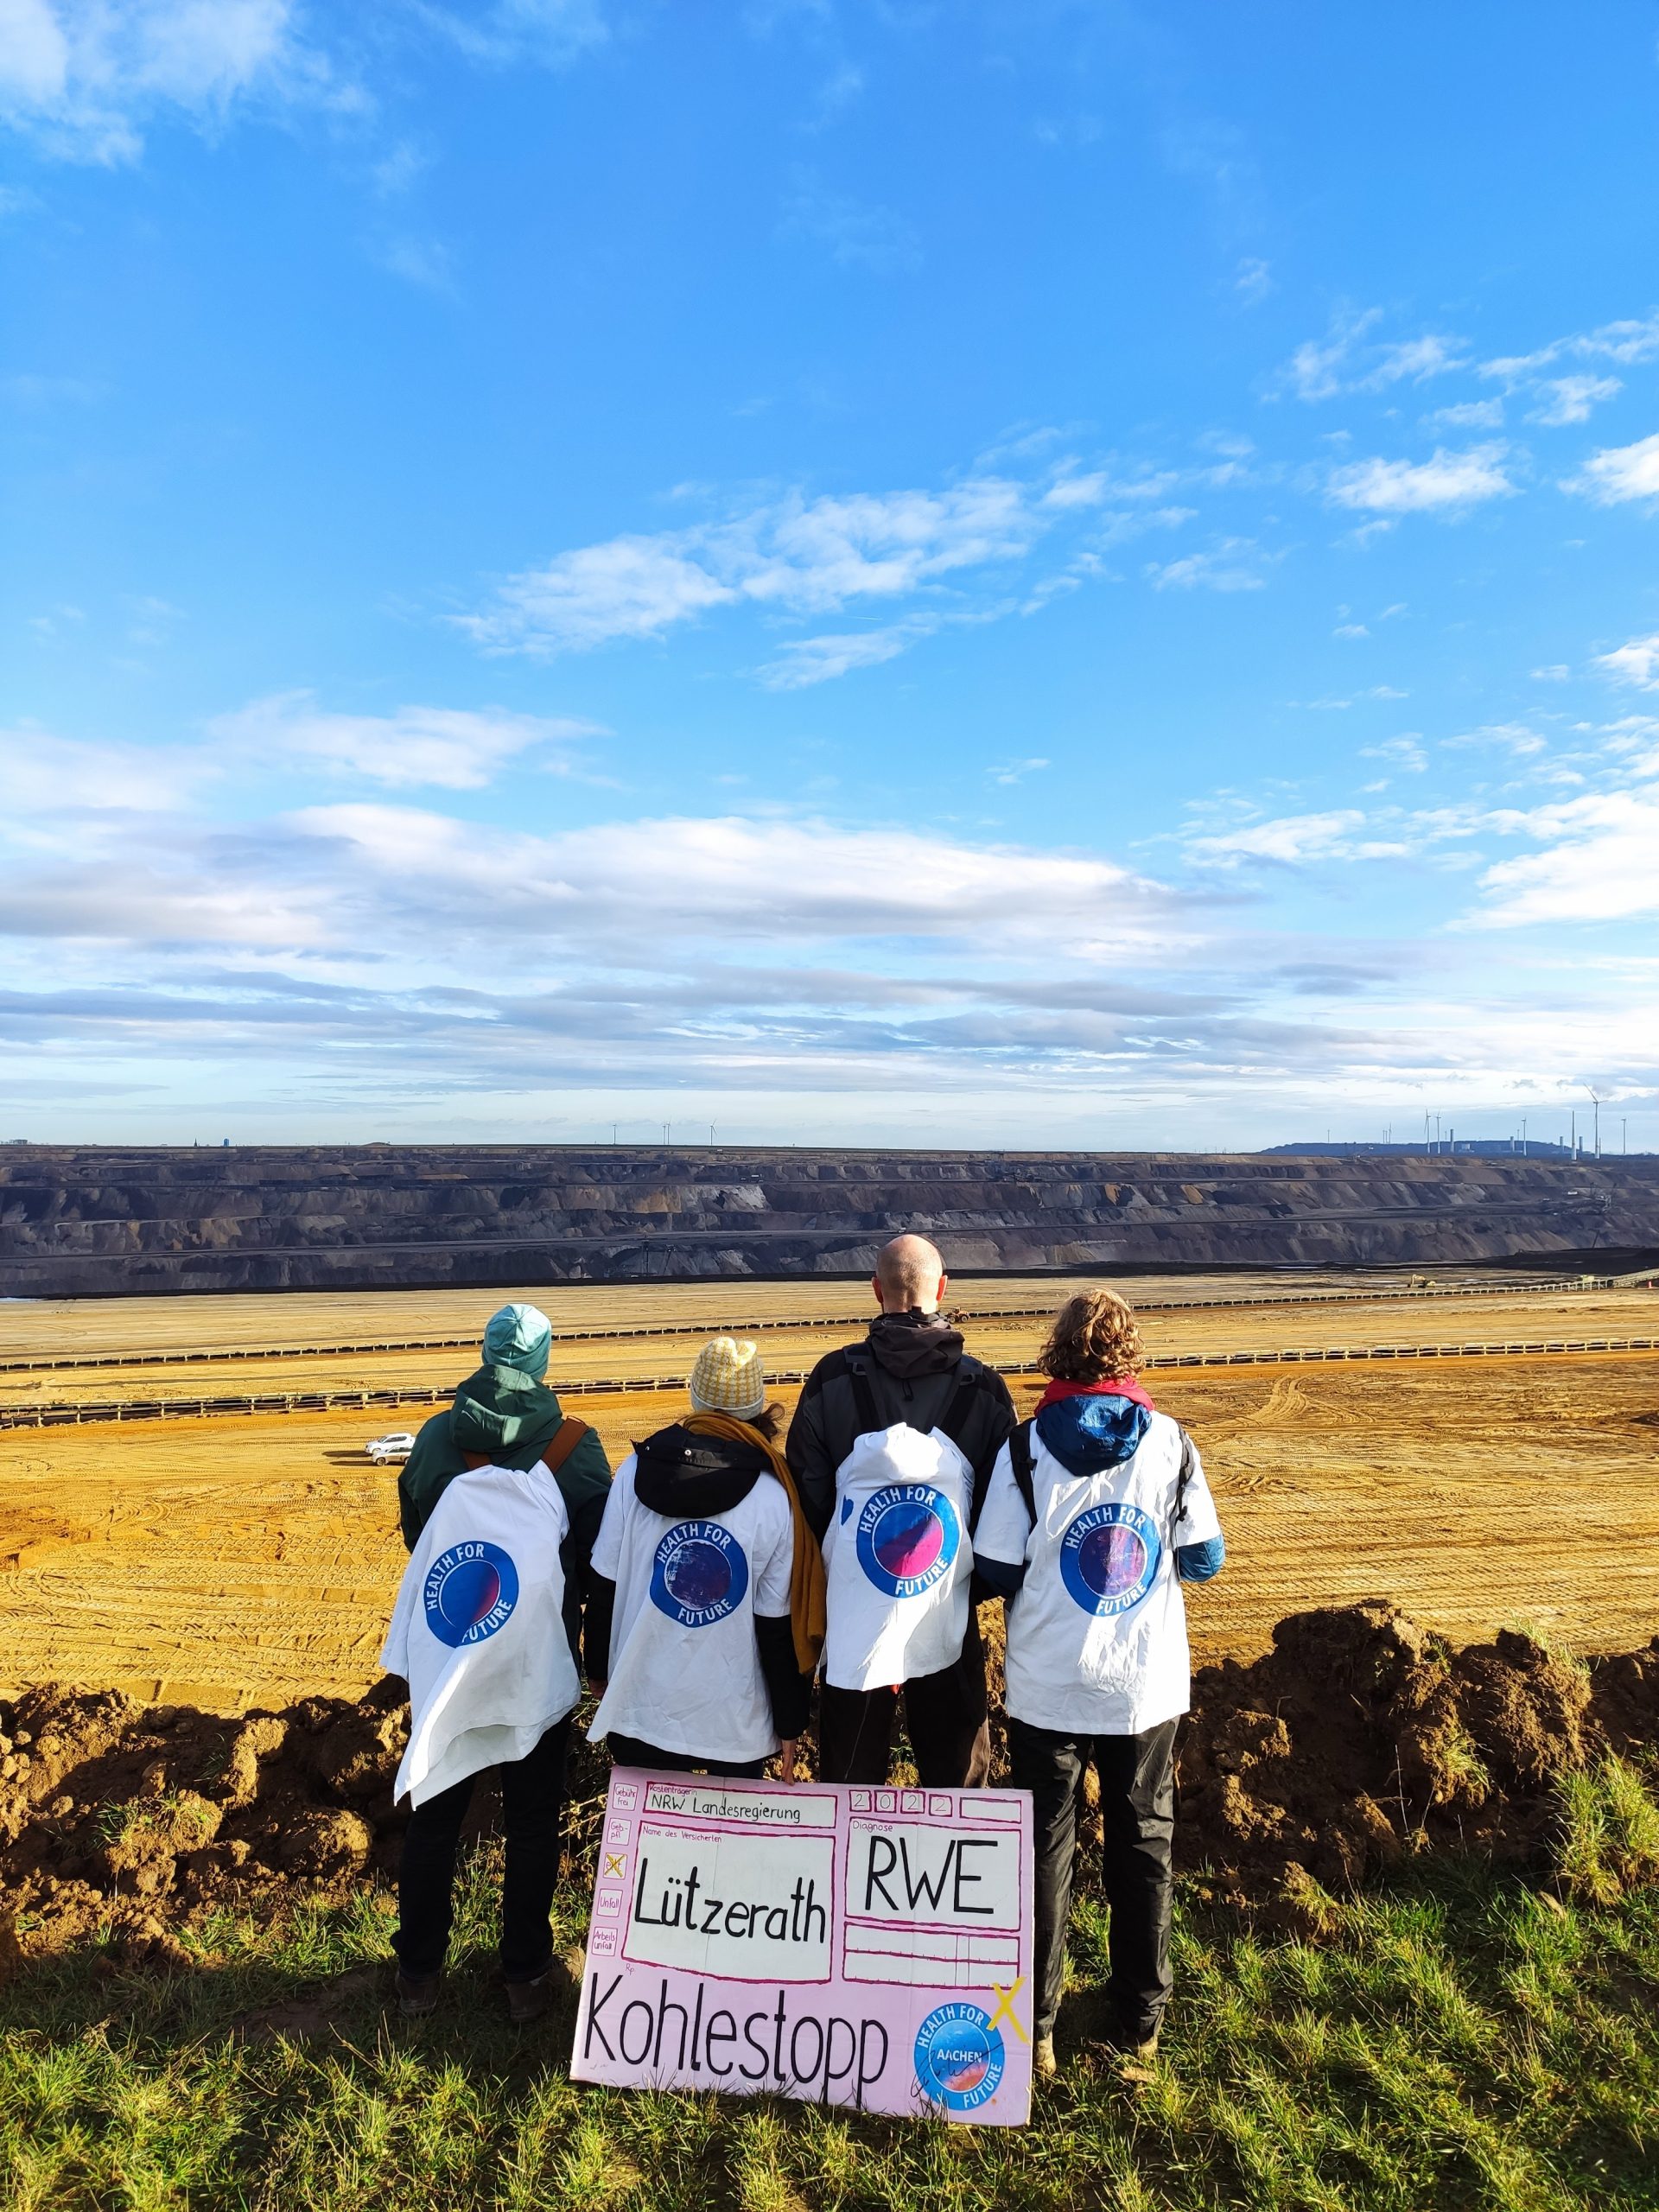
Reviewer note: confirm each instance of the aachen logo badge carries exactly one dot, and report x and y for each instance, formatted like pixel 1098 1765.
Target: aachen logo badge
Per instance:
pixel 959 2057
pixel 469 1592
pixel 699 1575
pixel 1109 1557
pixel 907 1538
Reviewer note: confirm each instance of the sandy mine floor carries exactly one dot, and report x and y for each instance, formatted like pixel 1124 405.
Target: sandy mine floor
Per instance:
pixel 252 1560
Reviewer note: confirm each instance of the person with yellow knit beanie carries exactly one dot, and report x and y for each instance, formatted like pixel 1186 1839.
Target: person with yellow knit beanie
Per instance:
pixel 705 1617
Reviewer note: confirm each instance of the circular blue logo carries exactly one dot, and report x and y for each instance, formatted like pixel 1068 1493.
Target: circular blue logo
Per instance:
pixel 959 2057
pixel 907 1538
pixel 699 1575
pixel 470 1591
pixel 1109 1557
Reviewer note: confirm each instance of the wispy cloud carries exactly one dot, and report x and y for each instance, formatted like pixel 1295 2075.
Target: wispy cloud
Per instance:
pixel 550 32
pixel 793 555
pixel 427 262
pixel 1619 474
pixel 1293 841
pixel 856 234
pixel 1468 415
pixel 1404 753
pixel 83 77
pixel 1446 483
pixel 806 661
pixel 1232 565
pixel 1571 399
pixel 1253 281
pixel 446 748
pixel 1628 343
pixel 1349 358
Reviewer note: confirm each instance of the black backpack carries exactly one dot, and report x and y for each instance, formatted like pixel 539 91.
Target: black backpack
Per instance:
pixel 954 1420
pixel 1023 1461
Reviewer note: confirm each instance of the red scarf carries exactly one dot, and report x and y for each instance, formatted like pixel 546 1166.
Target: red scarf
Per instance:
pixel 1119 1386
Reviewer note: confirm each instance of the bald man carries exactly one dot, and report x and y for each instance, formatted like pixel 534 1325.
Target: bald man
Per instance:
pixel 875 1429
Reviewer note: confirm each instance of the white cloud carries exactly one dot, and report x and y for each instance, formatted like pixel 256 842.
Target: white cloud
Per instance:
pixel 1348 360
pixel 1350 630
pixel 1619 473
pixel 1571 399
pixel 45 775
pixel 1291 840
pixel 630 588
pixel 796 555
pixel 451 748
pixel 1015 771
pixel 1446 483
pixel 1628 343
pixel 1556 673
pixel 1315 370
pixel 768 880
pixel 1637 663
pixel 1405 752
pixel 806 661
pixel 1332 703
pixel 1469 415
pixel 1509 737
pixel 1226 567
pixel 1253 281
pixel 1600 864
pixel 551 32
pixel 83 76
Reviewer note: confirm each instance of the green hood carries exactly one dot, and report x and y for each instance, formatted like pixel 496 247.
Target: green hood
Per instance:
pixel 512 1417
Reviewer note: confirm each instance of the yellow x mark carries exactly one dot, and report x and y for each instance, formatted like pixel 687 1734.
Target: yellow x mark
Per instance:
pixel 615 1861
pixel 1004 2006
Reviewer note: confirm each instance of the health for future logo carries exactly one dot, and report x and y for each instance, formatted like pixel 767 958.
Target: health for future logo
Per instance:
pixel 469 1592
pixel 1109 1557
pixel 959 2057
pixel 907 1538
pixel 699 1575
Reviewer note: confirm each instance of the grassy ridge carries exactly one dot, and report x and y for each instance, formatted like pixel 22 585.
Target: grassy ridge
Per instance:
pixel 1460 2041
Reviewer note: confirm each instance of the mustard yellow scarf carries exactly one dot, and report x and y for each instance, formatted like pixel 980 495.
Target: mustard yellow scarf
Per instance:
pixel 806 1613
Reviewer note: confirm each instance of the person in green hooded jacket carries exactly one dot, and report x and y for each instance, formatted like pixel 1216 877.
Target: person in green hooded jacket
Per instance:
pixel 503 1415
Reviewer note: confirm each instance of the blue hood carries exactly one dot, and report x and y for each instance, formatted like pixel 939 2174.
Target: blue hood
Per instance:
pixel 1087 1435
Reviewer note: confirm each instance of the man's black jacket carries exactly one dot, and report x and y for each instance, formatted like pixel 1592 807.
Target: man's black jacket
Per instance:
pixel 913 1366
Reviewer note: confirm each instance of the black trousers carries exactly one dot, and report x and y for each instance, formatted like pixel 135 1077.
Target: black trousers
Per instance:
pixel 533 1803
pixel 1137 1804
pixel 944 1718
pixel 628 1751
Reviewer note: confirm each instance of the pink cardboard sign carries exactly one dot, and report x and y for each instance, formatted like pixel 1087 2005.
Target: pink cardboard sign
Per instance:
pixel 870 1947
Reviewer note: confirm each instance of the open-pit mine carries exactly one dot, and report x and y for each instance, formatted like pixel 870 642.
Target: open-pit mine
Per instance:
pixel 187 1512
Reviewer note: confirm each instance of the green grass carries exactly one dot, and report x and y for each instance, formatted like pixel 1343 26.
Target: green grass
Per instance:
pixel 1461 2041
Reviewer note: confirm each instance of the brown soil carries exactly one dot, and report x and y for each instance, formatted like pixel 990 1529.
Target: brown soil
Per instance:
pixel 1359 1737
pixel 1356 1739
pixel 235 1564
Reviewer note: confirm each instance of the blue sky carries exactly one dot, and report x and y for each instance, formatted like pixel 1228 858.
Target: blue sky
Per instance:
pixel 1023 575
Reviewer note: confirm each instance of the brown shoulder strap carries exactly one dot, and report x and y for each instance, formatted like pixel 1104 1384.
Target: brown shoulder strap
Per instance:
pixel 564 1441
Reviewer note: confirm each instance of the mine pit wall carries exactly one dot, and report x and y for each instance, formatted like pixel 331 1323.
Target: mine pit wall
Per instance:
pixel 106 1221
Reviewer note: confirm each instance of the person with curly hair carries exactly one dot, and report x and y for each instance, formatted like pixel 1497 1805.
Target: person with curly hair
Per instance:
pixel 1098 1512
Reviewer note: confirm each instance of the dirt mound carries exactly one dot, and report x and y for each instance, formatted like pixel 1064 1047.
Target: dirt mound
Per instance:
pixel 1359 1737
pixel 142 1820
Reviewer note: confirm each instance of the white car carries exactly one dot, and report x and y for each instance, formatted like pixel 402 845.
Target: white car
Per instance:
pixel 385 1449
